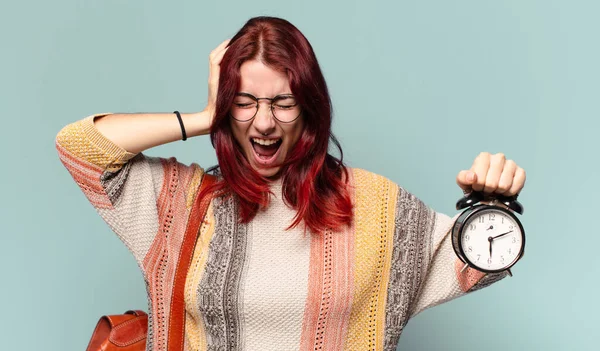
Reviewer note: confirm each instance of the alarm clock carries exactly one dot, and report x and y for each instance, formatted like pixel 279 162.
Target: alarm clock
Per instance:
pixel 487 235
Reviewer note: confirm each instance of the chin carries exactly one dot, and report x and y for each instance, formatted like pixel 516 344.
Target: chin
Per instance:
pixel 268 172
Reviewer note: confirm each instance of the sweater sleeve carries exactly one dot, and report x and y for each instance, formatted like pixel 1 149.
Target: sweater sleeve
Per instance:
pixel 123 187
pixel 424 269
pixel 444 280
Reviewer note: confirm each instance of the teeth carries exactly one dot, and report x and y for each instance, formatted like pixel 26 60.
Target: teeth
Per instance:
pixel 265 142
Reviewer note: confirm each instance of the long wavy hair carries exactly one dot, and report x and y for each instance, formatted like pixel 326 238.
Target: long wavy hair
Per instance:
pixel 314 182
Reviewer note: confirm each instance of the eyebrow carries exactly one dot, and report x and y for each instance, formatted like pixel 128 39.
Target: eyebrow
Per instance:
pixel 243 93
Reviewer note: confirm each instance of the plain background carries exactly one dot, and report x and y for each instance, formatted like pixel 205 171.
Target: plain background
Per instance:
pixel 419 89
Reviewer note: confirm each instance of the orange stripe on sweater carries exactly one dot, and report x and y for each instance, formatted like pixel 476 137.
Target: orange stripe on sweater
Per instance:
pixel 468 278
pixel 343 285
pixel 161 260
pixel 330 289
pixel 87 176
pixel 315 293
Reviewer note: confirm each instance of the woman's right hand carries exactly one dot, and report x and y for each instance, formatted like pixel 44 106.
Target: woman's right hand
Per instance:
pixel 214 61
pixel 136 132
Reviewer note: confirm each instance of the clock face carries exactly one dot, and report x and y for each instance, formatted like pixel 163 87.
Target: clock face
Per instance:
pixel 491 239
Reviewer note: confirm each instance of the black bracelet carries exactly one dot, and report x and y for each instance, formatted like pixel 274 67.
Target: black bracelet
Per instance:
pixel 183 135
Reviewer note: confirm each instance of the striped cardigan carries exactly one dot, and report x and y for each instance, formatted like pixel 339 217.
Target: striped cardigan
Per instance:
pixel 256 286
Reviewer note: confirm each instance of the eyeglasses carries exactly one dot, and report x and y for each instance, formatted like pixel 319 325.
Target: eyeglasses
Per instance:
pixel 284 107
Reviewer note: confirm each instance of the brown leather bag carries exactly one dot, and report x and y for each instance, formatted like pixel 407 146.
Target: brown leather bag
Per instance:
pixel 128 331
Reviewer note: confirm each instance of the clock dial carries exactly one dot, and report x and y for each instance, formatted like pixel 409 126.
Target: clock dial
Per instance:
pixel 491 239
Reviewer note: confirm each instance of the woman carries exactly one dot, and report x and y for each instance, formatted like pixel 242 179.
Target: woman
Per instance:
pixel 296 251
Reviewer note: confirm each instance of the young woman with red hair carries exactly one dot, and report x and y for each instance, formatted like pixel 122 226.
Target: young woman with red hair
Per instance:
pixel 297 251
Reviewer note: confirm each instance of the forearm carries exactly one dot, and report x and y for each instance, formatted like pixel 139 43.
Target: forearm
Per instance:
pixel 136 132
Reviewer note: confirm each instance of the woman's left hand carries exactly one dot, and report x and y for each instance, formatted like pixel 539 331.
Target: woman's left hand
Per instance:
pixel 492 174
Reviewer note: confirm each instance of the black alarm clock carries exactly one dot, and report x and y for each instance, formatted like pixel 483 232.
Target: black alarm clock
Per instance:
pixel 487 235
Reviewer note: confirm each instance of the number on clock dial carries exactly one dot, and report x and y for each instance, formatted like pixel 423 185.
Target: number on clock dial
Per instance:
pixel 490 223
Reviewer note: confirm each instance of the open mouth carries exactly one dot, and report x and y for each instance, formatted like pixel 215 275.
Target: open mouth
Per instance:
pixel 266 150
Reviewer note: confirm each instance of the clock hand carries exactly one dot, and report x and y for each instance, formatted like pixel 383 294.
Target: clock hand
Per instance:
pixel 490 239
pixel 503 234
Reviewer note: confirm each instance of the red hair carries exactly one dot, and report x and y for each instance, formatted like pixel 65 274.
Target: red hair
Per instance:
pixel 314 182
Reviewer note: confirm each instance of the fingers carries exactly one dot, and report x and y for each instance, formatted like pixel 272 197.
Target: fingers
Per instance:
pixel 465 179
pixel 215 57
pixel 518 182
pixel 215 69
pixel 506 179
pixel 214 60
pixel 480 167
pixel 223 44
pixel 494 172
pixel 218 50
pixel 219 56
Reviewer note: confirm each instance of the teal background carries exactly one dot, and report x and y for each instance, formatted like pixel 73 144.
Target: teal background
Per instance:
pixel 419 89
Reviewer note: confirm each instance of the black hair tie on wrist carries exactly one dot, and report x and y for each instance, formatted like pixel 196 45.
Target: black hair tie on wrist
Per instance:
pixel 183 135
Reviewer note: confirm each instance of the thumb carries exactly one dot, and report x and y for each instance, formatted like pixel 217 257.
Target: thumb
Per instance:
pixel 465 179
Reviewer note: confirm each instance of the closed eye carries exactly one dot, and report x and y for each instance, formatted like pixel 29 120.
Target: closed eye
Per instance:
pixel 285 107
pixel 244 105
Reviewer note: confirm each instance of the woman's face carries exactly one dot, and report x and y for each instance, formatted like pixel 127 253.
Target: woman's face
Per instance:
pixel 265 141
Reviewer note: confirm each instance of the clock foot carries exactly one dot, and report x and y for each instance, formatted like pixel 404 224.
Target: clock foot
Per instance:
pixel 509 272
pixel 465 267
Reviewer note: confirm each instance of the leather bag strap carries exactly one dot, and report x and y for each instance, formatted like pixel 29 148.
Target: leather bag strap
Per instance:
pixel 177 313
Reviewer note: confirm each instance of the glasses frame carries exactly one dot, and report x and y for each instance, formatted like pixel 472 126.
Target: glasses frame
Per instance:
pixel 271 100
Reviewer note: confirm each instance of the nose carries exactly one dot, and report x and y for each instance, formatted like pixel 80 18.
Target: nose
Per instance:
pixel 264 122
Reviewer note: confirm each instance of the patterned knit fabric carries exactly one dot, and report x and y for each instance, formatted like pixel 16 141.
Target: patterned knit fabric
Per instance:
pixel 257 286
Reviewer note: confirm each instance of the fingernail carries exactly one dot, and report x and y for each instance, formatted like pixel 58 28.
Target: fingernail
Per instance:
pixel 470 176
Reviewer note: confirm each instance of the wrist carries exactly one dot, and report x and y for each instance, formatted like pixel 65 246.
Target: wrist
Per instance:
pixel 197 123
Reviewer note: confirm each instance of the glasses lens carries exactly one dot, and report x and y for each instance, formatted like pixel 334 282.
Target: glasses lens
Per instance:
pixel 286 109
pixel 244 108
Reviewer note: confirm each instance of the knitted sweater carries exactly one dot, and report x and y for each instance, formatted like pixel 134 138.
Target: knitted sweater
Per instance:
pixel 257 286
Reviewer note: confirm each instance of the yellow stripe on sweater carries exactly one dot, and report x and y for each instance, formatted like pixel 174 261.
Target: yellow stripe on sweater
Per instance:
pixel 194 324
pixel 83 140
pixel 374 220
pixel 389 213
